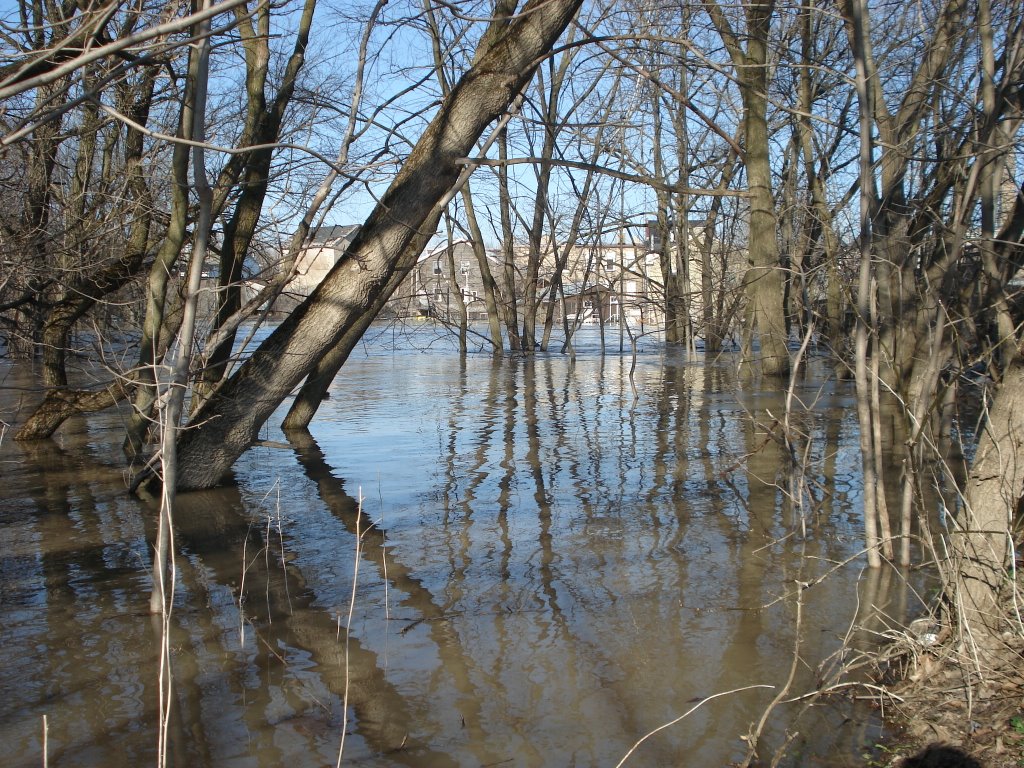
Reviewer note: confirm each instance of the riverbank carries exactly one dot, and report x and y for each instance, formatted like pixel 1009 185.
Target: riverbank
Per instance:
pixel 939 692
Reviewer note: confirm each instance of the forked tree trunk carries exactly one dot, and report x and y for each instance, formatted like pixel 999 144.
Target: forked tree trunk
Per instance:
pixel 159 323
pixel 263 127
pixel 318 381
pixel 532 296
pixel 230 421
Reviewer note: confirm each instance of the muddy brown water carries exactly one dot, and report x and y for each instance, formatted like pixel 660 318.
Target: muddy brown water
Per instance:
pixel 516 562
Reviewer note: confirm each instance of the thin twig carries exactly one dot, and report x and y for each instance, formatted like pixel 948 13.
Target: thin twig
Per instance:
pixel 348 626
pixel 686 714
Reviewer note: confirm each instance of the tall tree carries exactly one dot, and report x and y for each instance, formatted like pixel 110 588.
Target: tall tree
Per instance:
pixel 763 281
pixel 264 121
pixel 229 422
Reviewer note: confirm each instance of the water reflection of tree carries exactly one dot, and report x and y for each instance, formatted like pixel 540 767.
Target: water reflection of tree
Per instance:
pixel 428 608
pixel 289 626
pixel 574 574
pixel 70 581
pixel 633 503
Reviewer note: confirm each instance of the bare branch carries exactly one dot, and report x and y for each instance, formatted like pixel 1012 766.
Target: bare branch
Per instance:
pixel 650 181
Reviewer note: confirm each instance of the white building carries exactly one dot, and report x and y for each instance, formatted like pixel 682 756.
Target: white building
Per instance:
pixel 319 256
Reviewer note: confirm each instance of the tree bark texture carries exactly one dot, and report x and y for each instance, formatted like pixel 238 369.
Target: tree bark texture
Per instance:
pixel 981 542
pixel 763 282
pixel 230 420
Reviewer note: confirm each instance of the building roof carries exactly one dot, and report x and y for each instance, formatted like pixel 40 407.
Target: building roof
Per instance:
pixel 333 232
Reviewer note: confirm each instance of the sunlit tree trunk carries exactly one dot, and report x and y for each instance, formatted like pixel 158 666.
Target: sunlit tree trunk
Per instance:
pixel 510 274
pixel 1005 347
pixel 763 283
pixel 492 294
pixel 982 546
pixel 174 388
pixel 314 389
pixel 867 413
pixel 230 421
pixel 905 306
pixel 537 248
pixel 159 322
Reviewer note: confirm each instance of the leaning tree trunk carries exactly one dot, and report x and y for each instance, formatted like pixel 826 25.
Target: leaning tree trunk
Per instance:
pixel 318 381
pixel 230 421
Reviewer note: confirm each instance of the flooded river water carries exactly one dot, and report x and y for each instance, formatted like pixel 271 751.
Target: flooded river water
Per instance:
pixel 514 562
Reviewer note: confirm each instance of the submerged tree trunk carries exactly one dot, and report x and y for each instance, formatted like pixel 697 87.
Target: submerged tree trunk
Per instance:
pixel 511 306
pixel 492 295
pixel 763 283
pixel 229 422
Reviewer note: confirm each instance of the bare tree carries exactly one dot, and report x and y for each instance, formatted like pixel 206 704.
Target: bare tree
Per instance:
pixel 763 281
pixel 229 422
pixel 263 125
